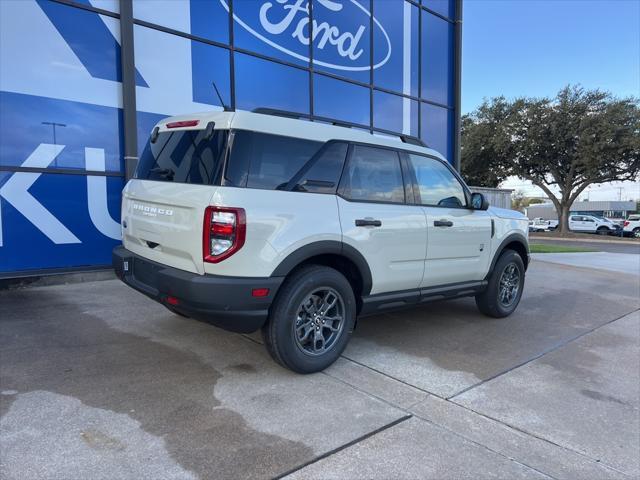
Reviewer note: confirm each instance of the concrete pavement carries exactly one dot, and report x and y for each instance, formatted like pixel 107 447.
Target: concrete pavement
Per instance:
pixel 627 263
pixel 96 381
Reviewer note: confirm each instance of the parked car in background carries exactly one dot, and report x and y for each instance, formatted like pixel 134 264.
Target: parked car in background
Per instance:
pixel 539 224
pixel 592 224
pixel 632 226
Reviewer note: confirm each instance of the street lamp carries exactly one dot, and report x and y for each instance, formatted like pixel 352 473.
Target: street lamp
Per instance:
pixel 54 125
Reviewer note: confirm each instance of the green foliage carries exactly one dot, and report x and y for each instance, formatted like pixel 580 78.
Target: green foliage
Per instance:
pixel 482 143
pixel 519 201
pixel 579 138
pixel 550 248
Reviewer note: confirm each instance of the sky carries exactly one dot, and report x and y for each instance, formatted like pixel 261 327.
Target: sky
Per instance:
pixel 536 47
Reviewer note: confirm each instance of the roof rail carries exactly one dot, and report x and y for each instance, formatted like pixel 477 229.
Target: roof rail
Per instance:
pixel 409 139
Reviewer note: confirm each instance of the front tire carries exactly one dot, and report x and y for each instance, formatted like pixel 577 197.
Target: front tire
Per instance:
pixel 602 231
pixel 504 290
pixel 311 320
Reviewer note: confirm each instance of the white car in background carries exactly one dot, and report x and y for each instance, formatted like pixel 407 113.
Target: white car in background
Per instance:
pixel 539 224
pixel 592 224
pixel 632 226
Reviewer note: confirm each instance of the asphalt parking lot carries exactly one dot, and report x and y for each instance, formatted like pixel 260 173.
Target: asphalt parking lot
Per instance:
pixel 96 381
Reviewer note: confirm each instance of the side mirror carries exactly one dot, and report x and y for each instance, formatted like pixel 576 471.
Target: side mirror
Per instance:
pixel 478 202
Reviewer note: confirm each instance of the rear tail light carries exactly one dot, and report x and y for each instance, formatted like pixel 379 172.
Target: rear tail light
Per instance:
pixel 626 223
pixel 224 231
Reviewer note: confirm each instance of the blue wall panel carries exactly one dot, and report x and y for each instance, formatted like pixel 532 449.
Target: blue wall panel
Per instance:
pixel 58 220
pixel 61 103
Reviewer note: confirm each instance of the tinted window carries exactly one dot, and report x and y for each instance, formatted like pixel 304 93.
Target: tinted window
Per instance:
pixel 184 156
pixel 324 173
pixel 373 174
pixel 260 160
pixel 436 183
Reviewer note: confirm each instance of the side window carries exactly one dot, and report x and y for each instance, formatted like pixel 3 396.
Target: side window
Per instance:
pixel 437 185
pixel 373 174
pixel 323 176
pixel 260 160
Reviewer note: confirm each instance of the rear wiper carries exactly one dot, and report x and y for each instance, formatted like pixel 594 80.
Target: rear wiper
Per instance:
pixel 163 172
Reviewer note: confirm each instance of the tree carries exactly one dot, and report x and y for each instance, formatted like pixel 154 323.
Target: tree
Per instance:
pixel 519 201
pixel 482 141
pixel 564 144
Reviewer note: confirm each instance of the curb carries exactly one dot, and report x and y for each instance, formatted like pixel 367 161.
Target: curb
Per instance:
pixel 57 279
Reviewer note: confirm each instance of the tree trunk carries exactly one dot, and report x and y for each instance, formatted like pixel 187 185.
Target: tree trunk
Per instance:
pixel 563 219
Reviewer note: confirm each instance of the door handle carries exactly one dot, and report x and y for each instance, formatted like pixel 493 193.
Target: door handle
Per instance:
pixel 442 223
pixel 368 222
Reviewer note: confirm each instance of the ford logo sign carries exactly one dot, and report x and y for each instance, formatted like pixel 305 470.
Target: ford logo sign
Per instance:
pixel 286 20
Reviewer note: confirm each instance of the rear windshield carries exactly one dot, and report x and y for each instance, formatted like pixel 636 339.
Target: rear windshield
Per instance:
pixel 183 156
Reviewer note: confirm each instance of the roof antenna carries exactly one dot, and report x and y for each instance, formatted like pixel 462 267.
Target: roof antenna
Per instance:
pixel 224 106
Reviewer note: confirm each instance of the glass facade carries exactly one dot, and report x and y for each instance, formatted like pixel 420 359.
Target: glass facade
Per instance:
pixel 387 66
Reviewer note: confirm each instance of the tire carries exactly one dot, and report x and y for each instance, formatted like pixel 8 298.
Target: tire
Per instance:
pixel 297 334
pixel 602 231
pixel 636 232
pixel 489 302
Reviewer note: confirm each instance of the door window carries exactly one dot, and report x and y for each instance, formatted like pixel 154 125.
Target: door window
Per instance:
pixel 373 175
pixel 437 185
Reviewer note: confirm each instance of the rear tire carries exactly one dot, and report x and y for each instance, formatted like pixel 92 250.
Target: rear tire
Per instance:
pixel 311 319
pixel 504 290
pixel 636 232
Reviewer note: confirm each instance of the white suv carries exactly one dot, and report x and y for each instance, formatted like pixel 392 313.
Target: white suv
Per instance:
pixel 632 226
pixel 592 224
pixel 259 221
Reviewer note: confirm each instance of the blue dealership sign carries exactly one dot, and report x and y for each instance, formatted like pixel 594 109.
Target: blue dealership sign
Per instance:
pixel 382 64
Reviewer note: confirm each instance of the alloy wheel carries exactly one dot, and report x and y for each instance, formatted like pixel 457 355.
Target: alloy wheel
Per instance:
pixel 319 321
pixel 509 285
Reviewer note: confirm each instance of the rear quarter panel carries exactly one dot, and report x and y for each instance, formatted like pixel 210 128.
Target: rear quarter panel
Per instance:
pixel 278 223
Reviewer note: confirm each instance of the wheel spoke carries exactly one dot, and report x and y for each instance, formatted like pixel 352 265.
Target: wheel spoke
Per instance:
pixel 328 303
pixel 329 322
pixel 305 329
pixel 318 338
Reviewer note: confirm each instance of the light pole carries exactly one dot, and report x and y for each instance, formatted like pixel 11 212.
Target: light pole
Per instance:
pixel 54 125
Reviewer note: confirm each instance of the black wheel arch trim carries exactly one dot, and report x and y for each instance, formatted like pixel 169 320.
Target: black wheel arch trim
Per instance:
pixel 512 237
pixel 327 247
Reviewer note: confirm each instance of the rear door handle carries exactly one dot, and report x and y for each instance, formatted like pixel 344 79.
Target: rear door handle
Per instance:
pixel 442 223
pixel 368 222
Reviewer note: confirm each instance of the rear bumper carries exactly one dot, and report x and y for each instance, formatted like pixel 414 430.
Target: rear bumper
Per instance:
pixel 224 301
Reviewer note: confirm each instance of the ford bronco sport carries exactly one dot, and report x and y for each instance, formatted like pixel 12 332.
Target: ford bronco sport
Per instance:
pixel 260 221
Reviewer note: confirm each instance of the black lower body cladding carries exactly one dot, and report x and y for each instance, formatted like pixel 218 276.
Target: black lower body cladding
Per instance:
pixel 226 302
